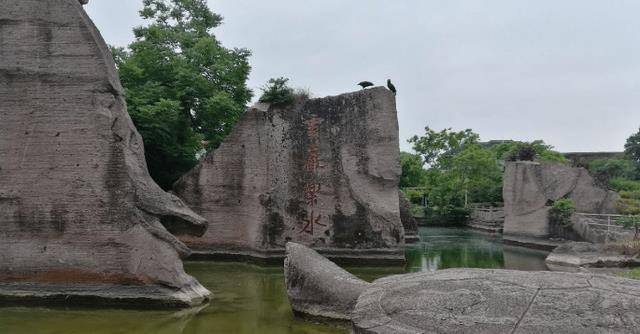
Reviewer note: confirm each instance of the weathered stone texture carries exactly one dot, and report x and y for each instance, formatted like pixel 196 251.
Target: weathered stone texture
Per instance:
pixel 409 223
pixel 80 217
pixel 530 188
pixel 498 301
pixel 322 289
pixel 576 256
pixel 467 300
pixel 322 172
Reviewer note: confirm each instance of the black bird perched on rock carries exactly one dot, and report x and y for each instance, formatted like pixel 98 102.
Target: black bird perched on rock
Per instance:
pixel 365 84
pixel 391 86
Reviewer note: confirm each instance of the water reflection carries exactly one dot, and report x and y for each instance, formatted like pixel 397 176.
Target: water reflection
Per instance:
pixel 251 299
pixel 443 248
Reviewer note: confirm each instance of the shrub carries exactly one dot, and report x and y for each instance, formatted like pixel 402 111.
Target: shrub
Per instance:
pixel 629 206
pixel 561 212
pixel 620 184
pixel 630 194
pixel 631 223
pixel 522 152
pixel 535 150
pixel 277 92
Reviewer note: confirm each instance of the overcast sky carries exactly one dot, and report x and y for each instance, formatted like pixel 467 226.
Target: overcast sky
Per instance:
pixel 564 71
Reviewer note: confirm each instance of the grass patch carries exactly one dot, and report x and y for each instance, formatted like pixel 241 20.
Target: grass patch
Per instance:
pixel 620 184
pixel 633 274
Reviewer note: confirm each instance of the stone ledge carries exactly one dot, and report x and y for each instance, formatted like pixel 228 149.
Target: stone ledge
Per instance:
pixel 348 257
pixel 532 242
pixel 101 295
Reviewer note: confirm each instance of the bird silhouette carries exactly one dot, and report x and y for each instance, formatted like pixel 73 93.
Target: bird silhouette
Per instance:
pixel 391 86
pixel 365 84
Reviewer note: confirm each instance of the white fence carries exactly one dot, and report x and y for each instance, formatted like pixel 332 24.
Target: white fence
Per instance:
pixel 601 228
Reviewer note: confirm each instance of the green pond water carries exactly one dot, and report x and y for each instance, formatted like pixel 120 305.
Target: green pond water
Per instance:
pixel 252 299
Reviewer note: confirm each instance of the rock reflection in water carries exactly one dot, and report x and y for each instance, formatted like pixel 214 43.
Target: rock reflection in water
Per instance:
pixel 251 299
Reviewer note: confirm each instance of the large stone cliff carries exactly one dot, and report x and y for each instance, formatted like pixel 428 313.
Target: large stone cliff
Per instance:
pixel 81 221
pixel 531 188
pixel 321 172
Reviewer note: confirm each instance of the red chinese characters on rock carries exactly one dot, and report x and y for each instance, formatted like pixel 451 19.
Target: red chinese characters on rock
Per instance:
pixel 312 185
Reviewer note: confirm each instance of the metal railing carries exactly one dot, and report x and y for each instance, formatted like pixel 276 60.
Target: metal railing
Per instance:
pixel 611 224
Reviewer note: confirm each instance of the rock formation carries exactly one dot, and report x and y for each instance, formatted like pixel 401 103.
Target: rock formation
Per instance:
pixel 474 300
pixel 578 256
pixel 531 188
pixel 81 221
pixel 321 172
pixel 320 290
pixel 409 223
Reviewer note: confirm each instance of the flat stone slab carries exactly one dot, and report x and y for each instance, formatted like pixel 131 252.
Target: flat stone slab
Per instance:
pixel 575 256
pixel 498 301
pixel 545 244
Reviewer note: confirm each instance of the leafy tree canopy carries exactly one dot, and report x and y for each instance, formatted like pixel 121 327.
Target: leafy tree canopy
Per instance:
pixel 184 90
pixel 605 170
pixel 413 174
pixel 437 148
pixel 632 147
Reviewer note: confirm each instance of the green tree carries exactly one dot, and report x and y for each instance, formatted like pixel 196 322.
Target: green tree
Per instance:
pixel 527 151
pixel 477 175
pixel 632 147
pixel 437 148
pixel 184 90
pixel 605 170
pixel 413 174
pixel 471 175
pixel 277 92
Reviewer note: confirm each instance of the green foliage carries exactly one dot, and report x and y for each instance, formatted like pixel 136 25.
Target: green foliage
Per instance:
pixel 629 190
pixel 183 88
pixel 632 274
pixel 477 175
pixel 632 147
pixel 631 223
pixel 417 211
pixel 630 194
pixel 436 148
pixel 462 171
pixel 561 212
pixel 620 184
pixel 606 169
pixel 277 92
pixel 529 151
pixel 413 174
pixel 470 176
pixel 414 195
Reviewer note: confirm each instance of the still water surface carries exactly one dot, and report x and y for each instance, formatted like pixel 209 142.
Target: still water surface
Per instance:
pixel 252 299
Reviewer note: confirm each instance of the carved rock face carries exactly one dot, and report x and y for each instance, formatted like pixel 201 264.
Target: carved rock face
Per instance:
pixel 322 172
pixel 530 188
pixel 77 205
